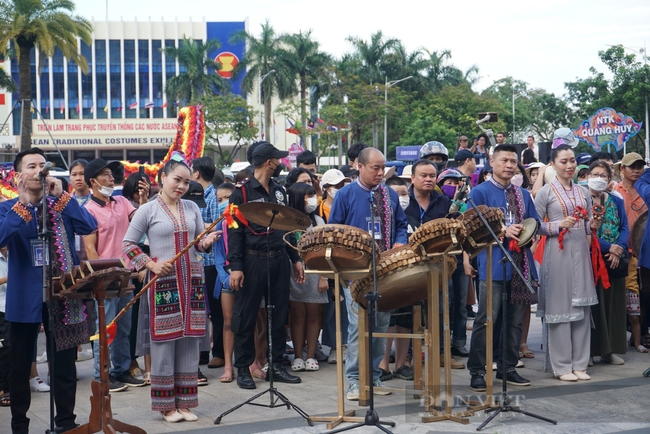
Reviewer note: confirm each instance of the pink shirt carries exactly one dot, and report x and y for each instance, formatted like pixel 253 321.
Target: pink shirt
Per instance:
pixel 112 223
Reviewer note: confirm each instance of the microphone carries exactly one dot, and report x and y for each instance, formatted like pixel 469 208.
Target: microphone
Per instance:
pixel 45 170
pixel 485 119
pixel 460 198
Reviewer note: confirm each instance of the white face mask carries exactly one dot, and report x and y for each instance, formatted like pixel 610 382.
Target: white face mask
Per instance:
pixel 106 191
pixel 312 204
pixel 518 180
pixel 597 184
pixel 332 192
pixel 404 202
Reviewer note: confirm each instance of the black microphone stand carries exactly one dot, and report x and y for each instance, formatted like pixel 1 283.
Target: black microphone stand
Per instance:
pixel 372 418
pixel 505 403
pixel 45 236
pixel 274 395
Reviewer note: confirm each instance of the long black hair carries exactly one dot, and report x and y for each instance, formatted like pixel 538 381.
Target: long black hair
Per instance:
pixel 297 193
pixel 294 174
pixel 526 180
pixel 555 152
pixel 131 184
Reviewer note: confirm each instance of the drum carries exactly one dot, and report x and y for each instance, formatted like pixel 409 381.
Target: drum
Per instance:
pixel 351 248
pixel 402 279
pixel 436 236
pixel 475 231
pixel 527 234
pixel 636 235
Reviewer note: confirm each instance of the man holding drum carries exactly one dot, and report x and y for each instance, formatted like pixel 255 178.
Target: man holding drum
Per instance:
pixel 351 207
pixel 499 192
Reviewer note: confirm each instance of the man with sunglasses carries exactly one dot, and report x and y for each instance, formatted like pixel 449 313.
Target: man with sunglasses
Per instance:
pixel 631 169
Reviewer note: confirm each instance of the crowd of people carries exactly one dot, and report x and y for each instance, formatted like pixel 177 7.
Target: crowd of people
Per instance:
pixel 208 307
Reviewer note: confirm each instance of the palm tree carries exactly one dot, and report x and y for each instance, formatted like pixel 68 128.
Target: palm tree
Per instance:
pixel 306 62
pixel 371 56
pixel 260 59
pixel 188 86
pixel 46 25
pixel 6 82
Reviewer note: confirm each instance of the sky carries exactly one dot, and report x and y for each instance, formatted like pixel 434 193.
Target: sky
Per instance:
pixel 544 43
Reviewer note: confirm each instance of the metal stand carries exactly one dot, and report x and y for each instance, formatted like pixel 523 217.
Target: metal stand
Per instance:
pixel 274 395
pixel 371 418
pixel 504 402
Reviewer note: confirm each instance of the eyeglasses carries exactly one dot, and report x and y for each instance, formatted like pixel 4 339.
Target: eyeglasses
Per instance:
pixel 599 175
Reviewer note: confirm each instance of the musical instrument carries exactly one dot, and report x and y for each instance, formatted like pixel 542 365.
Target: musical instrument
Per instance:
pixel 475 231
pixel 286 218
pixel 351 248
pixel 436 236
pixel 83 278
pixel 636 235
pixel 528 232
pixel 402 279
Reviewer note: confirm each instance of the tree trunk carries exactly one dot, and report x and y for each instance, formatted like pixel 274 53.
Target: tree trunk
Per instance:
pixel 267 120
pixel 25 93
pixel 303 110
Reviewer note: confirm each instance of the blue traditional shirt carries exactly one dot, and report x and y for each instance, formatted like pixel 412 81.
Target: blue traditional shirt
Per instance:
pixel 209 214
pixel 18 227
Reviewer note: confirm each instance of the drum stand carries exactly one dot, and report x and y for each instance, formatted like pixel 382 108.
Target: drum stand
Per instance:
pixel 504 402
pixel 274 394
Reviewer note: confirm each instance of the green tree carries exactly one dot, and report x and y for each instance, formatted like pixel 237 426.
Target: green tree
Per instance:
pixel 45 25
pixel 370 59
pixel 304 59
pixel 260 59
pixel 6 82
pixel 198 80
pixel 228 118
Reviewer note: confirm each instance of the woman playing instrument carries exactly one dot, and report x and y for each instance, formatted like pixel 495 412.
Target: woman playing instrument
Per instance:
pixel 567 282
pixel 609 334
pixel 177 298
pixel 306 297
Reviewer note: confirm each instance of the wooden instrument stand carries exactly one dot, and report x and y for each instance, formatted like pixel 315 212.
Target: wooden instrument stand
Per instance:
pixel 103 284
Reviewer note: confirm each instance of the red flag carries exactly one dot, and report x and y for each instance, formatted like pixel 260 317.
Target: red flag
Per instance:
pixel 77 108
pixel 61 109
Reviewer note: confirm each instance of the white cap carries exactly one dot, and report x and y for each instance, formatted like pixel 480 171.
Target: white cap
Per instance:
pixel 407 172
pixel 333 177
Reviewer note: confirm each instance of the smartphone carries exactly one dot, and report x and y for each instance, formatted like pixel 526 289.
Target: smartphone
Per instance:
pixel 142 175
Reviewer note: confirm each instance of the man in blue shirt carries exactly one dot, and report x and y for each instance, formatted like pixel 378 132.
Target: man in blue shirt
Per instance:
pixel 499 192
pixel 20 219
pixel 351 207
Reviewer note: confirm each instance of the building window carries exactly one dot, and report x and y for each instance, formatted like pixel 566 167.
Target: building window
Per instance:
pixel 87 82
pixel 159 154
pixel 73 90
pixel 86 155
pixel 116 78
pixel 138 155
pixel 100 79
pixel 111 154
pixel 129 77
pixel 143 74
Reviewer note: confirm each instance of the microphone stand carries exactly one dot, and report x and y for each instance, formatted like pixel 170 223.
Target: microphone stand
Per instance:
pixel 45 236
pixel 505 401
pixel 372 418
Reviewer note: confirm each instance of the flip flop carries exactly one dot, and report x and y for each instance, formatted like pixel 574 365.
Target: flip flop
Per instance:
pixel 202 380
pixel 146 377
pixel 525 353
pixel 228 373
pixel 5 401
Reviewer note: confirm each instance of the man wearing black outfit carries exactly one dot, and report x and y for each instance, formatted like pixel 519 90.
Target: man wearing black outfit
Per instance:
pixel 247 255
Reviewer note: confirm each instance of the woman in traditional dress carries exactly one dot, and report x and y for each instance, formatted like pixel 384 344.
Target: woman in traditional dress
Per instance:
pixel 609 334
pixel 567 283
pixel 177 300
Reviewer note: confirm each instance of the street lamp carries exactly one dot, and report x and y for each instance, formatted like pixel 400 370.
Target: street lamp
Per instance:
pixel 644 53
pixel 514 97
pixel 389 84
pixel 259 97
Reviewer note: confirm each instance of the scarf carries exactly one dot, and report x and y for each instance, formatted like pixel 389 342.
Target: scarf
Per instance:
pixel 383 213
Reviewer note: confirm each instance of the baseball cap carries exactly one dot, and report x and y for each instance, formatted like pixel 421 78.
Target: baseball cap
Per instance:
pixel 97 165
pixel 583 158
pixel 265 151
pixel 333 177
pixel 631 158
pixel 195 194
pixel 463 154
pixel 348 171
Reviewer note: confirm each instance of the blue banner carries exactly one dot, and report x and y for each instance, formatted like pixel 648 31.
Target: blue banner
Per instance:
pixel 229 55
pixel 407 153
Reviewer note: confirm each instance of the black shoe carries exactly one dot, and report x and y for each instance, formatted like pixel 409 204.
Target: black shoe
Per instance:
pixel 477 383
pixel 129 380
pixel 460 352
pixel 282 376
pixel 244 379
pixel 62 429
pixel 513 378
pixel 115 385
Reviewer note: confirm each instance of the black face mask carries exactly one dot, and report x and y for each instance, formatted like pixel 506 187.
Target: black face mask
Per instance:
pixel 278 170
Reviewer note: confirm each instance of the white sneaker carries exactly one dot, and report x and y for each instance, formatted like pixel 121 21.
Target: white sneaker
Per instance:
pixel 494 366
pixel 353 392
pixel 84 355
pixel 38 385
pixel 520 364
pixel 533 308
pixel 331 359
pixel 612 359
pixel 42 358
pixel 379 383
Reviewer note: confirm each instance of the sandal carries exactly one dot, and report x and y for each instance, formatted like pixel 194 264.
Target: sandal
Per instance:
pixel 228 373
pixel 524 352
pixel 311 365
pixel 146 377
pixel 5 401
pixel 256 371
pixel 641 349
pixel 385 375
pixel 404 373
pixel 202 379
pixel 298 365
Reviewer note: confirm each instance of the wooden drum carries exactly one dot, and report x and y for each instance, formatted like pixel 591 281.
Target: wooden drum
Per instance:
pixel 351 248
pixel 475 231
pixel 436 236
pixel 402 279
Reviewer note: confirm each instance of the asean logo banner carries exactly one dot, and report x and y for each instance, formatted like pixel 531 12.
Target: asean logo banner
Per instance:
pixel 228 63
pixel 606 128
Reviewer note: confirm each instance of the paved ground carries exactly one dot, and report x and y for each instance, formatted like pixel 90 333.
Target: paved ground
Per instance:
pixel 615 400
